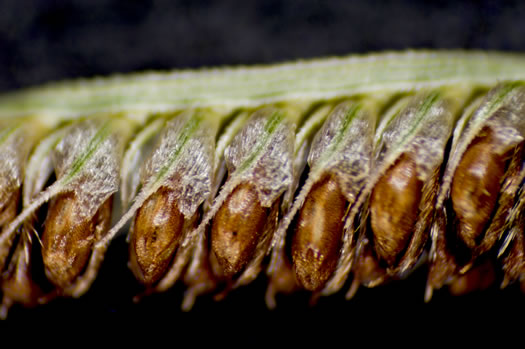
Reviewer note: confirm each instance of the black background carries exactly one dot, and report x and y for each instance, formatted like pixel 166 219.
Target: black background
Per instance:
pixel 42 41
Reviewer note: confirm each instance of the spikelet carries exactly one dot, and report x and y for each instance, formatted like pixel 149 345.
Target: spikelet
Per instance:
pixel 85 157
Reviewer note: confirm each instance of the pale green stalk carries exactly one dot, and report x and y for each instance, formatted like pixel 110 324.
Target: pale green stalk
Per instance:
pixel 144 93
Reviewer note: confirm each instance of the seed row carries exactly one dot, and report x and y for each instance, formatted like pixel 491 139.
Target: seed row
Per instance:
pixel 316 194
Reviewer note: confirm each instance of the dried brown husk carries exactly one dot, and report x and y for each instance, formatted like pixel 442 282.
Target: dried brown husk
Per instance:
pixel 260 153
pixel 281 276
pixel 342 148
pixel 513 262
pixel 18 285
pixel 18 282
pixel 16 142
pixel 512 251
pixel 199 276
pixel 502 111
pixel 85 156
pixel 181 162
pixel 480 277
pixel 419 131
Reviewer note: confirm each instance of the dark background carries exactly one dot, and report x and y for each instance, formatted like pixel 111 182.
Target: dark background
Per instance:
pixel 42 40
pixel 45 40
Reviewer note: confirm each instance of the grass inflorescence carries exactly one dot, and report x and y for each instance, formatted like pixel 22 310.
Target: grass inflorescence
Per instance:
pixel 319 175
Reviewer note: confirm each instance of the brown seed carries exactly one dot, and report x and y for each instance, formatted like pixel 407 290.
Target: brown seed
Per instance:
pixel 475 187
pixel 394 209
pixel 237 228
pixel 156 236
pixel 318 234
pixel 68 238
